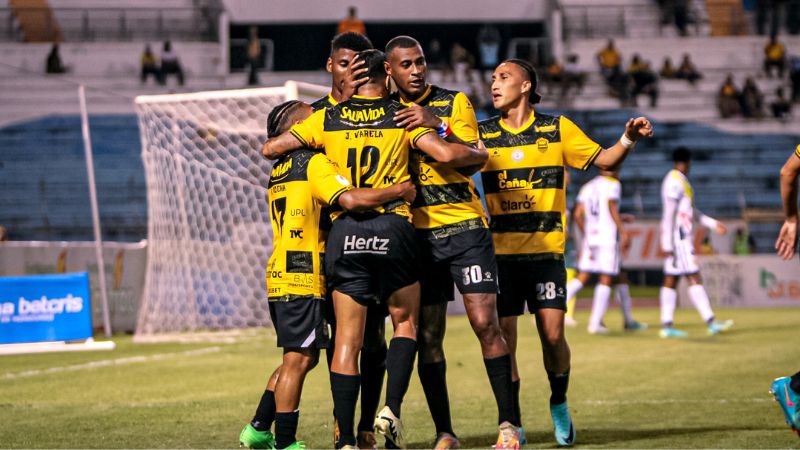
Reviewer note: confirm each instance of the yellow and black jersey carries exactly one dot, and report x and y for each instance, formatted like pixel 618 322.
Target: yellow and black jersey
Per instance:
pixel 301 183
pixel 361 137
pixel 523 181
pixel 447 201
pixel 797 151
pixel 323 102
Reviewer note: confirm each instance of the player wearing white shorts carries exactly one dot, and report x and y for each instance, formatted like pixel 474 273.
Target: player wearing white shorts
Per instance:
pixel 597 216
pixel 677 224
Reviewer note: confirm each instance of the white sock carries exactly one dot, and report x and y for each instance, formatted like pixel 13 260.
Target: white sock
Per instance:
pixel 602 294
pixel 623 296
pixel 668 297
pixel 573 287
pixel 698 295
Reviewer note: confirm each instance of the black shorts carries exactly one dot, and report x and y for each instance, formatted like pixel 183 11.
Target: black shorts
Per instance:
pixel 370 256
pixel 299 323
pixel 466 258
pixel 540 284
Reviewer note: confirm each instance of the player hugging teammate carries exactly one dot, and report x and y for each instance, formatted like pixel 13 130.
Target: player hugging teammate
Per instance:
pixel 387 253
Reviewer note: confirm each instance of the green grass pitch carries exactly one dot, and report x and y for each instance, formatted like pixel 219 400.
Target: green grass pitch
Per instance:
pixel 626 390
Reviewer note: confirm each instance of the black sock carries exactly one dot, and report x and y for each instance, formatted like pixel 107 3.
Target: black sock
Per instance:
pixel 499 370
pixel 517 409
pixel 795 383
pixel 434 383
pixel 345 396
pixel 558 387
pixel 373 369
pixel 285 428
pixel 265 413
pixel 399 365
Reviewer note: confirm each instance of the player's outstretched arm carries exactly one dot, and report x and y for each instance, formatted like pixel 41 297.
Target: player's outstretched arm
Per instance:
pixel 453 154
pixel 787 238
pixel 361 199
pixel 280 145
pixel 612 157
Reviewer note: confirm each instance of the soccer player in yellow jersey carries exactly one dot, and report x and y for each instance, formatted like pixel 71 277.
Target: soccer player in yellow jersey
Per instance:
pixel 455 242
pixel 524 186
pixel 371 257
pixel 301 183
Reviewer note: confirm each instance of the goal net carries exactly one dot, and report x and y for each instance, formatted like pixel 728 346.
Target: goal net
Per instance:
pixel 208 233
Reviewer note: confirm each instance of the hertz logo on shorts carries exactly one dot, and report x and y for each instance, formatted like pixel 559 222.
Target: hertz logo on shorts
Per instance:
pixel 362 115
pixel 281 169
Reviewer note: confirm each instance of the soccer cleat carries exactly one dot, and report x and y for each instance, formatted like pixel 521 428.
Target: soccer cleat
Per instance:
pixel 507 437
pixel 597 329
pixel 718 327
pixel 366 440
pixel 445 441
pixel 389 425
pixel 522 438
pixel 297 445
pixel 789 401
pixel 635 326
pixel 570 322
pixel 672 333
pixel 562 425
pixel 252 438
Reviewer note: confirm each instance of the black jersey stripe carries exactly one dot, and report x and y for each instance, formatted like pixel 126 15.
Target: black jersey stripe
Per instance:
pixel 299 262
pixel 440 194
pixel 544 177
pixel 529 222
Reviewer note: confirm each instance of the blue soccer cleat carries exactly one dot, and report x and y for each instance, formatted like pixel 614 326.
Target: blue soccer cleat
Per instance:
pixel 562 425
pixel 672 333
pixel 789 400
pixel 522 438
pixel 718 327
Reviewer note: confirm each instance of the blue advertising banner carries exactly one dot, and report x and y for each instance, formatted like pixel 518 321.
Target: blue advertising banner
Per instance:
pixel 45 308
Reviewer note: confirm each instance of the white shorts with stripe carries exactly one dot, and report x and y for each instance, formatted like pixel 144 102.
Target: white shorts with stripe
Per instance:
pixel 682 261
pixel 601 259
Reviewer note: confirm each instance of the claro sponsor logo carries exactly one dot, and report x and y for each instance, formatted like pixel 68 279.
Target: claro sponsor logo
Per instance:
pixel 374 244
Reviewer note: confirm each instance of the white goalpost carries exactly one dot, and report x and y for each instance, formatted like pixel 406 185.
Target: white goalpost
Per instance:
pixel 209 234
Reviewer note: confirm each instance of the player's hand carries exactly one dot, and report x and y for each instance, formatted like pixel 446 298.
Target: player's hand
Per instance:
pixel 416 116
pixel 407 191
pixel 638 128
pixel 352 79
pixel 787 240
pixel 721 228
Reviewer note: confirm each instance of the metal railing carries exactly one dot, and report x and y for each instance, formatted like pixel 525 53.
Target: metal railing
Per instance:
pixel 113 24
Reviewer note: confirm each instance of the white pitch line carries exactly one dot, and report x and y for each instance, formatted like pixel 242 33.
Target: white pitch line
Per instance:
pixel 674 401
pixel 108 363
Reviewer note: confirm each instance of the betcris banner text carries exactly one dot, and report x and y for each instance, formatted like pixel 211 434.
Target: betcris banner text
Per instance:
pixel 45 308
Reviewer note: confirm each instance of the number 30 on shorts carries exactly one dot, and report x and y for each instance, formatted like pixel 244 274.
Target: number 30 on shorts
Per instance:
pixel 472 274
pixel 545 291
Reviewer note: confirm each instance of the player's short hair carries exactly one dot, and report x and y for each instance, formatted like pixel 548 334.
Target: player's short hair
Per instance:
pixel 527 67
pixel 373 61
pixel 401 42
pixel 352 41
pixel 681 154
pixel 279 119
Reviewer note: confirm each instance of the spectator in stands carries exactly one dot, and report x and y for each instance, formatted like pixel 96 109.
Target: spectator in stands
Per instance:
pixel 794 76
pixel 3 234
pixel 253 56
pixel 743 243
pixel 610 62
pixel 351 23
pixel 462 62
pixel 489 47
pixel 774 56
pixel 170 64
pixel 149 65
pixel 54 64
pixel 668 71
pixel 645 81
pixel 688 71
pixel 781 107
pixel 728 98
pixel 752 100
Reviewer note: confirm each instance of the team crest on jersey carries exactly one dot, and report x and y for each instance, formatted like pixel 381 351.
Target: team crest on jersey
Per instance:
pixel 517 155
pixel 542 144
